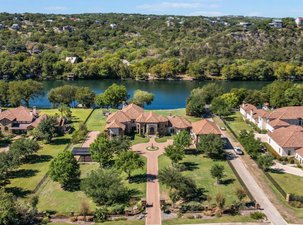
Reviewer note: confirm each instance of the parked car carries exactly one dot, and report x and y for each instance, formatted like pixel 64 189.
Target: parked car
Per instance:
pixel 223 128
pixel 238 151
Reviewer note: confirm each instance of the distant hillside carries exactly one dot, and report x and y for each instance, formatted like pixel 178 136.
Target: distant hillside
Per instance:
pixel 149 46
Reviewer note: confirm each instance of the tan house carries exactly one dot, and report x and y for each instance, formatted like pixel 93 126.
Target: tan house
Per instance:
pixel 203 127
pixel 19 120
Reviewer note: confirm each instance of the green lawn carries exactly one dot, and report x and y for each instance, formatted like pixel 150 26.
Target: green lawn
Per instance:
pixel 164 139
pixel 224 219
pixel 198 168
pixel 139 140
pixel 27 176
pixel 52 197
pixel 97 121
pixel 176 112
pixel 236 123
pixel 290 183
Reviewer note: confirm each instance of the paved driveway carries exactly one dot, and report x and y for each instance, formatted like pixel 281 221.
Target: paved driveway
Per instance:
pixel 90 138
pixel 269 209
pixel 291 169
pixel 153 216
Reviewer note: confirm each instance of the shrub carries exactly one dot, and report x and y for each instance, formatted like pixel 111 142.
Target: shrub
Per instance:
pixel 101 215
pixel 117 210
pixel 73 219
pixel 190 216
pixel 191 207
pixel 257 215
pixel 296 204
pixel 45 220
pixel 120 219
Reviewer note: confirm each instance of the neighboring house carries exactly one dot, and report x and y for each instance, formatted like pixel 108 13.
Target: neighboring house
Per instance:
pixel 71 60
pixel 68 28
pixel 113 25
pixel 19 120
pixel 15 26
pixel 245 25
pixel 177 124
pixel 299 155
pixel 271 120
pixel 299 21
pixel 203 127
pixel 276 24
pixel 286 141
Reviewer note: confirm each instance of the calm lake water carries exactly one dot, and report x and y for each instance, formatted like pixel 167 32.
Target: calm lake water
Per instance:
pixel 168 94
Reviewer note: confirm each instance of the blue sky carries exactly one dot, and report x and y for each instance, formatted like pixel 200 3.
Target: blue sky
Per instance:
pixel 268 8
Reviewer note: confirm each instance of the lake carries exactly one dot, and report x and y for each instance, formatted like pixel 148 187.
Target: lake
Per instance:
pixel 168 94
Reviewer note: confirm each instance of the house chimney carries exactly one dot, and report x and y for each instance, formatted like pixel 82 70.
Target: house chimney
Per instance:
pixel 34 111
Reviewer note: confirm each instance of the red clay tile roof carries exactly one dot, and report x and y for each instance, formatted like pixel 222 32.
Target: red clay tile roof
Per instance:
pixel 38 121
pixel 115 124
pixel 292 112
pixel 248 107
pixel 133 111
pixel 300 152
pixel 20 113
pixel 118 116
pixel 278 123
pixel 151 117
pixel 179 122
pixel 205 127
pixel 289 137
pixel 259 112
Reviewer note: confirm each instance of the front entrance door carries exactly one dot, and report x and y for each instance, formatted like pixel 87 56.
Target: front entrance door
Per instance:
pixel 152 130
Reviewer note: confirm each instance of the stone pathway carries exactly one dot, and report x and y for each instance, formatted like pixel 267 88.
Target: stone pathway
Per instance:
pixel 153 216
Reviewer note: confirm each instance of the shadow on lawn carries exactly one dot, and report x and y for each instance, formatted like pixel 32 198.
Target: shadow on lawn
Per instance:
pixel 18 192
pixel 33 159
pixel 60 141
pixel 230 118
pixel 137 179
pixel 277 171
pixel 22 173
pixel 227 181
pixel 189 166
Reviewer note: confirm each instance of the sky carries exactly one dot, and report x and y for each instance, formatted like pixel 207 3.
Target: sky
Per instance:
pixel 263 8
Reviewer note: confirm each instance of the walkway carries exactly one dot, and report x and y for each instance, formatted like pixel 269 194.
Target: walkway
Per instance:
pixel 291 169
pixel 269 209
pixel 152 186
pixel 90 138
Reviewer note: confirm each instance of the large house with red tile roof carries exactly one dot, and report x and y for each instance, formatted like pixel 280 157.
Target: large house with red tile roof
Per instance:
pixel 133 118
pixel 19 120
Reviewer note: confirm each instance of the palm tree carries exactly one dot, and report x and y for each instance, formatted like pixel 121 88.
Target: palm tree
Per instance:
pixel 220 201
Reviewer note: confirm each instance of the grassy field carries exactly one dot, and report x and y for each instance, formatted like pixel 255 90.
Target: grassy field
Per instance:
pixel 176 112
pixel 198 168
pixel 52 197
pixel 236 123
pixel 290 183
pixel 27 176
pixel 164 139
pixel 224 219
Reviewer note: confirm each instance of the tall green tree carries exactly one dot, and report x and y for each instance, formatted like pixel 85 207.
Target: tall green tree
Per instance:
pixel 217 171
pixel 22 148
pixel 211 144
pixel 142 98
pixel 175 153
pixel 4 97
pixel 47 129
pixel 182 139
pixel 62 95
pixel 114 96
pixel 105 187
pixel 85 96
pixel 101 151
pixel 65 170
pixel 8 213
pixel 128 162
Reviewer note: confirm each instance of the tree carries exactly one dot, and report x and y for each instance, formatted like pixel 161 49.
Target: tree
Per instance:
pixel 128 162
pixel 22 148
pixel 241 194
pixel 80 134
pixel 65 111
pixel 47 129
pixel 265 161
pixel 8 213
pixel 275 92
pixel 4 97
pixel 142 97
pixel 220 201
pixel 65 170
pixel 220 107
pixel 217 171
pixel 24 91
pixel 182 139
pixel 211 144
pixel 101 151
pixel 6 164
pixel 85 96
pixel 62 95
pixel 105 187
pixel 101 214
pixel 113 96
pixel 175 153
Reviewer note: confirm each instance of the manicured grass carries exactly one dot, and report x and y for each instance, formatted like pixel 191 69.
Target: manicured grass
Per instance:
pixel 27 176
pixel 237 124
pixel 224 219
pixel 139 140
pixel 176 112
pixel 53 198
pixel 97 121
pixel 290 183
pixel 164 139
pixel 198 168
